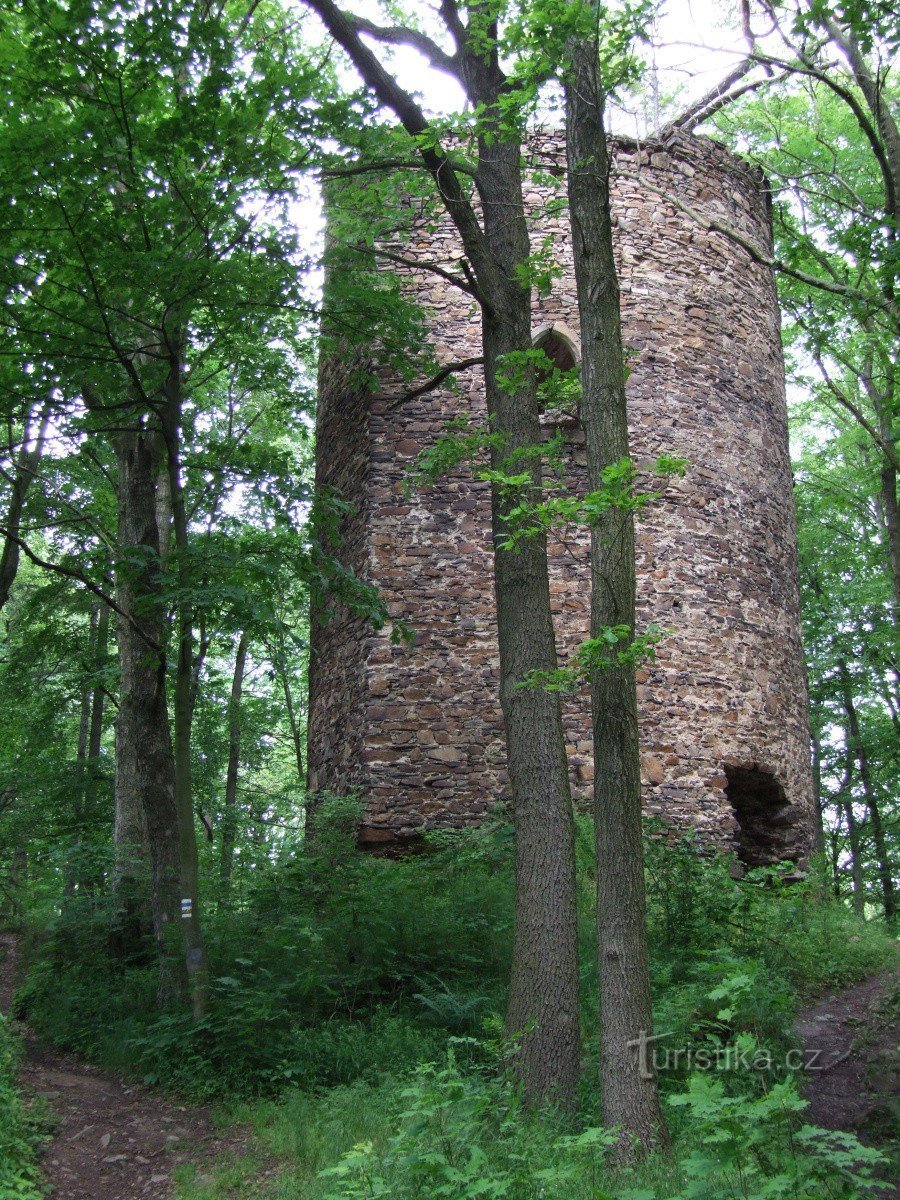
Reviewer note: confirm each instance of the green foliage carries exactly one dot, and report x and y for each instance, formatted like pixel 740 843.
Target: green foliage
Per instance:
pixel 19 1130
pixel 464 1135
pixel 751 1149
pixel 339 967
pixel 343 979
pixel 600 653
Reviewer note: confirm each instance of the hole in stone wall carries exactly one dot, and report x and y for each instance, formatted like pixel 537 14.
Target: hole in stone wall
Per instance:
pixel 558 349
pixel 559 382
pixel 763 815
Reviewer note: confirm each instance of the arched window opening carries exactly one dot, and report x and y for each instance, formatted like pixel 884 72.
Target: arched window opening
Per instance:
pixel 559 382
pixel 558 350
pixel 763 815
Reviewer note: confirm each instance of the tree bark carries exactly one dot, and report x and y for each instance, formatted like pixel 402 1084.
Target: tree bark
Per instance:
pixel 26 466
pixel 145 779
pixel 818 823
pixel 844 801
pixel 543 1010
pixel 629 1098
pixel 183 699
pixel 279 658
pixel 856 871
pixel 95 732
pixel 234 762
pixel 857 747
pixel 82 766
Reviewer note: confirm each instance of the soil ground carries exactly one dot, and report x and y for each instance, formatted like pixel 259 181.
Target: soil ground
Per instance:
pixel 111 1139
pixel 851 1050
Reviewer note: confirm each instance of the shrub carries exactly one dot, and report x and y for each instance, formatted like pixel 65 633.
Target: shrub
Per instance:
pixel 19 1131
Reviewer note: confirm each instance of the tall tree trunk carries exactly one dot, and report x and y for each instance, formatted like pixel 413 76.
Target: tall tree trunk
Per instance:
pixel 857 746
pixel 145 777
pixel 183 700
pixel 280 660
pixel 835 863
pixel 25 468
pixel 844 801
pixel 82 781
pixel 888 503
pixel 95 733
pixel 629 1098
pixel 818 822
pixel 234 761
pixel 856 871
pixel 543 1000
pixel 75 874
pixel 543 1007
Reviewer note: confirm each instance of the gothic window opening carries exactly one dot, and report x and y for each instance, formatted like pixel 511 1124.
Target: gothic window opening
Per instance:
pixel 559 375
pixel 760 807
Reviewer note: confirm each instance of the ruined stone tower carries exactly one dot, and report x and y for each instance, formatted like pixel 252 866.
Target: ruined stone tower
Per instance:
pixel 416 730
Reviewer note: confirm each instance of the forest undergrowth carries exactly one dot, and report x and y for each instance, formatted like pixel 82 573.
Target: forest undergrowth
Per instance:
pixel 356 1023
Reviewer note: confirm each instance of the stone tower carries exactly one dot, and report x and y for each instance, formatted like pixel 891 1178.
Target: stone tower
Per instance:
pixel 416 730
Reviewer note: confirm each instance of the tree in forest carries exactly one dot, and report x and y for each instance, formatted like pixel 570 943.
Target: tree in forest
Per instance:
pixel 157 148
pixel 628 1097
pixel 543 1003
pixel 629 1101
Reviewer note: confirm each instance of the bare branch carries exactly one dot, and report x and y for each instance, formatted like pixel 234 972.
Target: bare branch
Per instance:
pixel 465 284
pixel 71 573
pixel 401 35
pixel 434 382
pixel 756 252
pixel 689 118
pixel 344 29
pixel 391 164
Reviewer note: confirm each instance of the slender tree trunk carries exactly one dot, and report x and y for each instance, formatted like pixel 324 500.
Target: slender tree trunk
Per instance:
pixel 890 510
pixel 281 667
pixel 858 748
pixel 95 733
pixel 145 777
pixel 856 871
pixel 92 877
pixel 183 700
pixel 82 780
pixel 543 1010
pixel 234 761
pixel 835 863
pixel 26 466
pixel 818 822
pixel 844 802
pixel 629 1098
pixel 543 1003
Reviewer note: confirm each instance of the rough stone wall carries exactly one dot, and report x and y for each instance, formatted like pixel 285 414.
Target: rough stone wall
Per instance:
pixel 417 729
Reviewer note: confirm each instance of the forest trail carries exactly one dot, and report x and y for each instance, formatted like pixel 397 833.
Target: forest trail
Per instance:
pixel 111 1140
pixel 850 1040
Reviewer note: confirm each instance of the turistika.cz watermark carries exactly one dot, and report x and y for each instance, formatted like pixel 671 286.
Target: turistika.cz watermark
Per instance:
pixel 653 1057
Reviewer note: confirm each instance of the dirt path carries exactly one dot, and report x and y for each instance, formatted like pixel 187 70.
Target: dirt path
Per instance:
pixel 851 1050
pixel 112 1140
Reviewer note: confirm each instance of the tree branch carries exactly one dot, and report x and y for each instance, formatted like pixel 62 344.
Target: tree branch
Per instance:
pixel 401 35
pixel 466 285
pixel 755 252
pixel 70 573
pixel 434 382
pixel 390 164
pixel 344 29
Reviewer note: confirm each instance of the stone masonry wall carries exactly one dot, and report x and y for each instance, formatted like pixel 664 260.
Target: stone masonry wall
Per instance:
pixel 417 729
